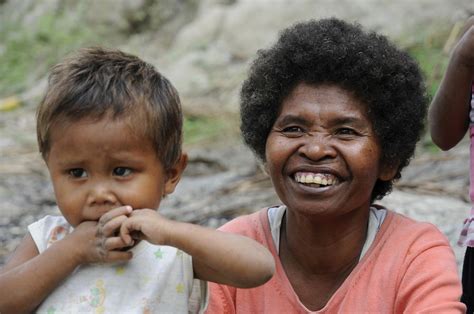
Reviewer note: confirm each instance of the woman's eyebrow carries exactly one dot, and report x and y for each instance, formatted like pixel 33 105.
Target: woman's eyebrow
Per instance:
pixel 351 120
pixel 290 119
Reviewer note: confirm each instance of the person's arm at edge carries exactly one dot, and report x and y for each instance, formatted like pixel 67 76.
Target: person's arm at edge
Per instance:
pixel 449 110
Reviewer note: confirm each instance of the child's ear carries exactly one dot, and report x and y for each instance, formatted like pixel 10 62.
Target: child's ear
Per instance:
pixel 174 174
pixel 388 171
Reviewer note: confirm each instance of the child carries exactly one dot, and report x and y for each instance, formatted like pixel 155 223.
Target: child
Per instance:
pixel 109 130
pixel 451 114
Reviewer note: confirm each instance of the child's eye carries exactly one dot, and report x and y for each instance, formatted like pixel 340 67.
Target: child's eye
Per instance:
pixel 122 171
pixel 78 173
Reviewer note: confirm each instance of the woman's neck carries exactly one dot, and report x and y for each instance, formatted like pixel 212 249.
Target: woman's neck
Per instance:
pixel 327 246
pixel 318 257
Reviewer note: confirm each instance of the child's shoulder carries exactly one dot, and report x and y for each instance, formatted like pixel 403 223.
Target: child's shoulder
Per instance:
pixel 48 230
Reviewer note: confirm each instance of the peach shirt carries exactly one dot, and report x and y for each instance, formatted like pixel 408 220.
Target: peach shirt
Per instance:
pixel 410 267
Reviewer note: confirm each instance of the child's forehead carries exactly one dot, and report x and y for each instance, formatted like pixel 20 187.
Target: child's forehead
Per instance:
pixel 131 125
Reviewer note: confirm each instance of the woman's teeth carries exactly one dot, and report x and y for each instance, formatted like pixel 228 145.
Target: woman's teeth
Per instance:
pixel 316 178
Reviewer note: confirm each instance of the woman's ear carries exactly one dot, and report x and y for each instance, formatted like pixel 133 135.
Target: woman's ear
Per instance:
pixel 388 171
pixel 173 175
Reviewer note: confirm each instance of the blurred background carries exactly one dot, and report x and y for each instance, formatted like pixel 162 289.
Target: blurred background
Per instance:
pixel 204 48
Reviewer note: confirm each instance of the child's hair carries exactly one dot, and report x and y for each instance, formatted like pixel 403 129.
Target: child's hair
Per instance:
pixel 97 82
pixel 331 51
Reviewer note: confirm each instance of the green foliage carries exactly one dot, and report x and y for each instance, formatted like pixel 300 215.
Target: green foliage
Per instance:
pixel 433 63
pixel 207 129
pixel 428 50
pixel 27 52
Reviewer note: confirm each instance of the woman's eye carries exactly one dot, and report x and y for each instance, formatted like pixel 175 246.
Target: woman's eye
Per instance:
pixel 78 173
pixel 346 131
pixel 122 171
pixel 292 129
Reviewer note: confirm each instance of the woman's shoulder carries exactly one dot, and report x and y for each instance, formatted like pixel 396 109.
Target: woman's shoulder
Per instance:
pixel 249 225
pixel 400 227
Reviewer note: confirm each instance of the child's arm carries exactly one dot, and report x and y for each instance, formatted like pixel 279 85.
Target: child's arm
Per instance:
pixel 29 277
pixel 449 110
pixel 217 256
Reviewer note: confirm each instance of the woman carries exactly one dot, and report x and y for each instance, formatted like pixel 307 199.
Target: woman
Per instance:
pixel 334 114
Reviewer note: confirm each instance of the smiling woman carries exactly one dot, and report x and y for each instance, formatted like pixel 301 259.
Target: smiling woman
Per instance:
pixel 334 114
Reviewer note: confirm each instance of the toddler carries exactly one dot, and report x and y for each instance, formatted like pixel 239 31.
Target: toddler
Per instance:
pixel 110 129
pixel 451 115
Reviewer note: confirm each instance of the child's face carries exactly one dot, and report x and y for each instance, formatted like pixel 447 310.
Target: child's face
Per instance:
pixel 97 165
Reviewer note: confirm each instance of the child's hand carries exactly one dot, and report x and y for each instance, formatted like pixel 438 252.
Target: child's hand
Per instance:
pixel 464 49
pixel 99 242
pixel 146 224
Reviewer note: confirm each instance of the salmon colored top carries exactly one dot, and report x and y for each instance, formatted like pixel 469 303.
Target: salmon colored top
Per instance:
pixel 409 267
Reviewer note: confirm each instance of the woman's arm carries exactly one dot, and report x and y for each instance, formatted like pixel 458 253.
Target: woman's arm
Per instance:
pixel 217 256
pixel 449 110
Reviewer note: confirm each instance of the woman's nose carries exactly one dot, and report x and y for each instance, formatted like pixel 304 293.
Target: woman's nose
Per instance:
pixel 316 146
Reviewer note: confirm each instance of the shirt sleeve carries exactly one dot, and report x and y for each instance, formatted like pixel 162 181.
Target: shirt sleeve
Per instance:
pixel 48 230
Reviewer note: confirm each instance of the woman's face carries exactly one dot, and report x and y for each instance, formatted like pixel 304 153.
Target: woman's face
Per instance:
pixel 322 153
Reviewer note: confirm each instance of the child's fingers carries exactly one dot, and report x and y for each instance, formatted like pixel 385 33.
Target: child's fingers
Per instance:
pixel 114 243
pixel 117 256
pixel 129 230
pixel 123 210
pixel 113 225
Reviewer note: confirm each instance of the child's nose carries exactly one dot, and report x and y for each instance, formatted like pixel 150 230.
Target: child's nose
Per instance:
pixel 101 194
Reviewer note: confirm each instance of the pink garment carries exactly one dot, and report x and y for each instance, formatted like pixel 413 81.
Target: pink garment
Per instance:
pixel 410 267
pixel 467 233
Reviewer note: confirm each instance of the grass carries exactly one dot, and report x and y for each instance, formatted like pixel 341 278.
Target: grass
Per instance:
pixel 201 129
pixel 429 52
pixel 27 52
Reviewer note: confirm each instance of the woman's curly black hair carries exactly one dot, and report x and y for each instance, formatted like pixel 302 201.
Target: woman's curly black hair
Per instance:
pixel 331 51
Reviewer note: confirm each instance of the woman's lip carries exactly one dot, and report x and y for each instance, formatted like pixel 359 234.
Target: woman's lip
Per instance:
pixel 324 179
pixel 312 188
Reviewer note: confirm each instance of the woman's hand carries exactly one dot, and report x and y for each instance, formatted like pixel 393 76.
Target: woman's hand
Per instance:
pixel 100 242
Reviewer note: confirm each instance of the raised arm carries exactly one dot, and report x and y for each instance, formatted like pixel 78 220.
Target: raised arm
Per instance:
pixel 29 277
pixel 449 110
pixel 217 256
